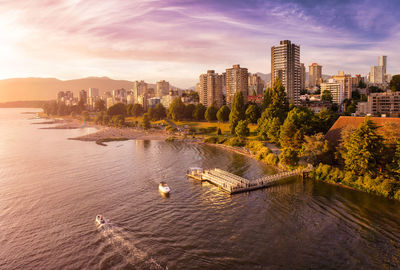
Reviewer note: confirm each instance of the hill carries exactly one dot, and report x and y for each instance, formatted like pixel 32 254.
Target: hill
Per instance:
pixel 47 88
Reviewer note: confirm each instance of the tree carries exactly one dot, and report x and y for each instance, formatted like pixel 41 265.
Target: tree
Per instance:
pixel 176 109
pixel 129 109
pixel 362 150
pixel 241 129
pixel 324 120
pixel 199 111
pixel 395 83
pixel 219 132
pixel 252 113
pixel 375 89
pixel 289 156
pixel 270 129
pixel 355 95
pixel 327 96
pixel 290 135
pixel 159 112
pixel 223 114
pixel 189 109
pixel 237 111
pixel 313 148
pixel 117 109
pixel 361 84
pixel 100 105
pixel 137 110
pixel 267 98
pixel 146 121
pixel 211 113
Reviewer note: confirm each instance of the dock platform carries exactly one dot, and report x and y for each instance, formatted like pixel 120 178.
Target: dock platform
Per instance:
pixel 232 183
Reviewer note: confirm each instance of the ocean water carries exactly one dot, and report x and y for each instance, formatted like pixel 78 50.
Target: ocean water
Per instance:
pixel 51 189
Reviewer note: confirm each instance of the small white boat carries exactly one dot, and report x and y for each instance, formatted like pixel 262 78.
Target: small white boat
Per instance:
pixel 100 219
pixel 164 188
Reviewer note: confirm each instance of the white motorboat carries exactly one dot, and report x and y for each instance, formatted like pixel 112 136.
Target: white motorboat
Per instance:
pixel 164 188
pixel 100 220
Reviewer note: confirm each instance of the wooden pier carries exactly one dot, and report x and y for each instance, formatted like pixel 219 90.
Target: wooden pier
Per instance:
pixel 232 183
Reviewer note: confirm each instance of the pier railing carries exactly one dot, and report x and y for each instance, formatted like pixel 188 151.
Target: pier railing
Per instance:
pixel 234 184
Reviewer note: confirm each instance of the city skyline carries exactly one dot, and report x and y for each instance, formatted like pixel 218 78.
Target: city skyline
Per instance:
pixel 177 41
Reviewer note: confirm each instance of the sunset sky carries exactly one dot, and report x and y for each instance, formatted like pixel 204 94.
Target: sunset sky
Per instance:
pixel 179 40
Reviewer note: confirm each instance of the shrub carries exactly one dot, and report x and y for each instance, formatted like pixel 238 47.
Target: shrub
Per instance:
pixel 212 139
pixel 271 159
pixel 262 153
pixel 235 141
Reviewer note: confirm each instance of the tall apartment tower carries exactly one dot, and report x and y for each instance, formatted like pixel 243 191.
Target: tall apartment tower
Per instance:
pixel 346 81
pixel 236 80
pixel 378 75
pixel 302 76
pixel 139 89
pixel 210 89
pixel 162 88
pixel 314 75
pixel 285 66
pixel 256 85
pixel 382 61
pixel 93 92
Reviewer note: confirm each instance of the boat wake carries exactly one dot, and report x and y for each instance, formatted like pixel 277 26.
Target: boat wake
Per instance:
pixel 116 241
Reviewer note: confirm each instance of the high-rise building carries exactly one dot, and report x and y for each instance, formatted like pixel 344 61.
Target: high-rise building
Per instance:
pixel 302 76
pixel 256 85
pixel 139 89
pixel 382 61
pixel 285 66
pixel 236 81
pixel 314 75
pixel 346 81
pixel 210 89
pixel 162 88
pixel 83 96
pixel 93 92
pixel 377 75
pixel 335 88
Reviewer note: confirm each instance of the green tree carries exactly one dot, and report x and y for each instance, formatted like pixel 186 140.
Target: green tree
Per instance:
pixel 395 83
pixel 137 110
pixel 361 84
pixel 313 148
pixel 289 156
pixel 269 129
pixel 237 112
pixel 159 112
pixel 176 109
pixel 219 132
pixel 117 109
pixel 327 96
pixel 100 105
pixel 189 109
pixel 146 121
pixel 223 114
pixel 211 113
pixel 362 150
pixel 267 98
pixel 129 109
pixel 199 111
pixel 241 129
pixel 252 113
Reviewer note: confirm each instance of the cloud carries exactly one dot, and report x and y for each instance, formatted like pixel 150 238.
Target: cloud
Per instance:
pixel 178 40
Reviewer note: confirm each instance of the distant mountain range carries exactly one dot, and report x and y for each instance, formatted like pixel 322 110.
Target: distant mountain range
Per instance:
pixel 47 88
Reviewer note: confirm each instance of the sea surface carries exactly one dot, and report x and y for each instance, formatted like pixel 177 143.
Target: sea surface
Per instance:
pixel 51 189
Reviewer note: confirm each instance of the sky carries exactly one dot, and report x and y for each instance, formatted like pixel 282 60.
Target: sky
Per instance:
pixel 178 40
